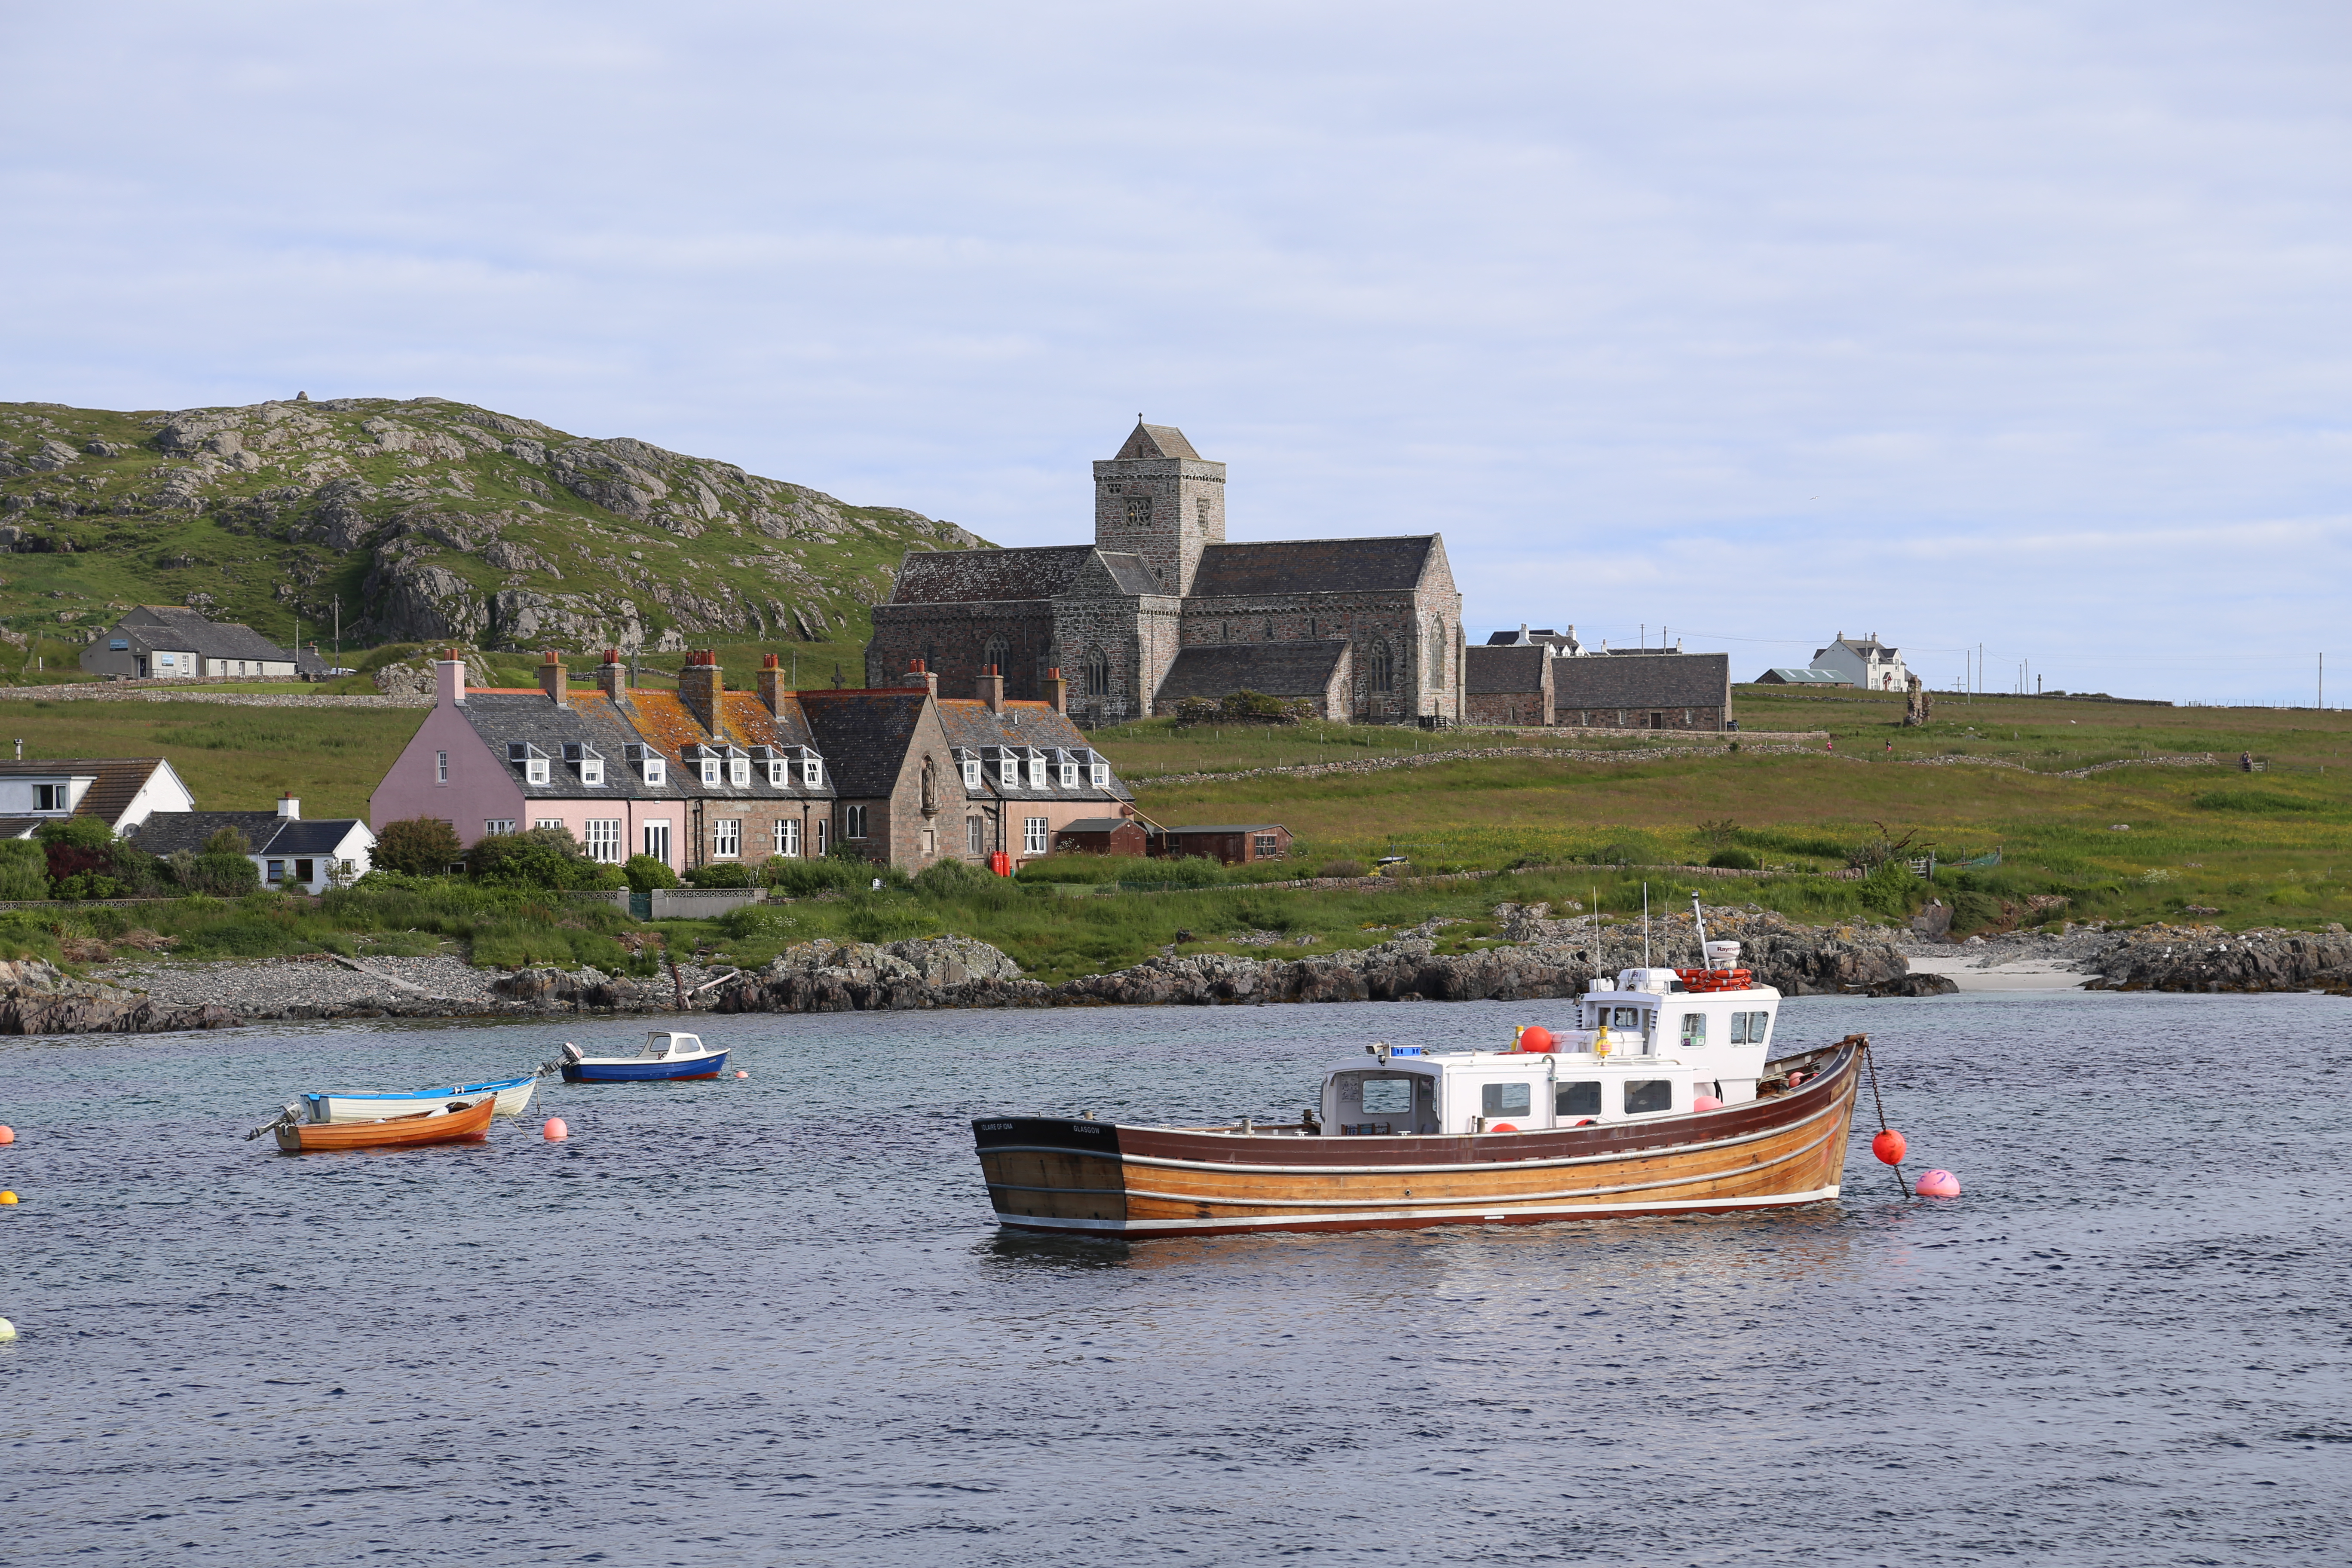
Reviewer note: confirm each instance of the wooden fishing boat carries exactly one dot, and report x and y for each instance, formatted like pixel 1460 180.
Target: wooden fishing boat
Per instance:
pixel 512 1096
pixel 668 1056
pixel 1606 1119
pixel 450 1123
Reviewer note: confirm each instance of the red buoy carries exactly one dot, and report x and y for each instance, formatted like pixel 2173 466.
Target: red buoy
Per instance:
pixel 1888 1146
pixel 1536 1038
pixel 1502 1127
pixel 1706 1102
pixel 555 1131
pixel 7 1135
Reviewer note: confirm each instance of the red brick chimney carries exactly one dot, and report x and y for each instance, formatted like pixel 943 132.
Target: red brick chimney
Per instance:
pixel 917 676
pixel 1058 690
pixel 699 686
pixel 554 680
pixel 772 683
pixel 991 689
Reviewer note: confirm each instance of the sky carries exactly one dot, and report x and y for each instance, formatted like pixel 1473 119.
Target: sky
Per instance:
pixel 2019 325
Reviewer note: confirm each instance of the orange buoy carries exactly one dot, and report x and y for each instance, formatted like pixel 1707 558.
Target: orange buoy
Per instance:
pixel 7 1135
pixel 741 1073
pixel 1502 1127
pixel 1888 1146
pixel 1536 1038
pixel 1938 1185
pixel 555 1131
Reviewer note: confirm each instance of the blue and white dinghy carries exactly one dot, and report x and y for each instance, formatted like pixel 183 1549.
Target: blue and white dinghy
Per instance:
pixel 668 1056
pixel 513 1097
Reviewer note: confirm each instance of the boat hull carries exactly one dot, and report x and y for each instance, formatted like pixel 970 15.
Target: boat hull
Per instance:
pixel 512 1096
pixel 640 1070
pixel 413 1130
pixel 1106 1179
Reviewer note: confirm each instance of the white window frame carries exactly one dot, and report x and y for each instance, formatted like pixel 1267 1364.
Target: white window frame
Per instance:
pixel 440 767
pixel 1098 774
pixel 1036 760
pixel 788 837
pixel 812 769
pixel 823 836
pixel 778 774
pixel 592 770
pixel 603 840
pixel 534 770
pixel 538 822
pixel 655 769
pixel 710 770
pixel 971 780
pixel 1034 834
pixel 498 825
pixel 739 771
pixel 655 837
pixel 854 821
pixel 727 838
pixel 1066 769
pixel 1008 768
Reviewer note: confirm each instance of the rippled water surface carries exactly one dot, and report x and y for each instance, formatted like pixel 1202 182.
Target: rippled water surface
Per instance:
pixel 771 1321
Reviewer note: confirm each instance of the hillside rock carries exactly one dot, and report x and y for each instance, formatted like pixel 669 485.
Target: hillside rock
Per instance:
pixel 2207 958
pixel 38 998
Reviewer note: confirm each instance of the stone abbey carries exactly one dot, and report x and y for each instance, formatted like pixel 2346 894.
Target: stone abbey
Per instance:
pixel 1160 607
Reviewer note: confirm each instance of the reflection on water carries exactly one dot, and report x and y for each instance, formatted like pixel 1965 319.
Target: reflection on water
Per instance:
pixel 770 1319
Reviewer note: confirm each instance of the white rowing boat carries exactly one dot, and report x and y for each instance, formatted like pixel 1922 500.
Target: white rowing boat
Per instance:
pixel 513 1098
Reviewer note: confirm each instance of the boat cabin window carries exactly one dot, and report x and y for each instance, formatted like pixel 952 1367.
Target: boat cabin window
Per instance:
pixel 1387 1097
pixel 1506 1099
pixel 1582 1097
pixel 1694 1031
pixel 1623 1018
pixel 1647 1094
pixel 1747 1029
pixel 1364 1104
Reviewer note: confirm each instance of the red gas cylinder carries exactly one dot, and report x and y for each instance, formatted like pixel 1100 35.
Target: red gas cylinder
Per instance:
pixel 1888 1146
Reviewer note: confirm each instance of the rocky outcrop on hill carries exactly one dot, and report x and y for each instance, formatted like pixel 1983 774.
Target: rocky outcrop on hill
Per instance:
pixel 38 998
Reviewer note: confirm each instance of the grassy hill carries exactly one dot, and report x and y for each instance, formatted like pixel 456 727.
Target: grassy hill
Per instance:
pixel 431 522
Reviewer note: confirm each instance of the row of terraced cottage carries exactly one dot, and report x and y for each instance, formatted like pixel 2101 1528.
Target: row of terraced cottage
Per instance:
pixel 896 775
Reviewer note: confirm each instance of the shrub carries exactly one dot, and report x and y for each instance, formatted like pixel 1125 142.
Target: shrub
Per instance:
pixel 1341 869
pixel 537 858
pixel 723 874
pixel 949 878
pixel 23 870
pixel 1734 859
pixel 91 885
pixel 644 873
pixel 81 832
pixel 224 874
pixel 420 846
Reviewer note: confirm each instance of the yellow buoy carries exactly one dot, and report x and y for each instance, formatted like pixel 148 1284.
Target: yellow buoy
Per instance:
pixel 7 1198
pixel 8 1330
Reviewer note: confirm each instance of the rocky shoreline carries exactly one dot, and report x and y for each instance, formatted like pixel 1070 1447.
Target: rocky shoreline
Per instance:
pixel 1537 956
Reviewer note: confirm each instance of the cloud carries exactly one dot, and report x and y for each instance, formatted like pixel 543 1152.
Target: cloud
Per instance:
pixel 2006 322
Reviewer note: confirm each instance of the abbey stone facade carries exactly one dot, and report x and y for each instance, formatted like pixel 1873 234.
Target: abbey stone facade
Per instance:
pixel 1159 608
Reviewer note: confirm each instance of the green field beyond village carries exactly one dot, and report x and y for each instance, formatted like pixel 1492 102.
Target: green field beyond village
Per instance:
pixel 1585 819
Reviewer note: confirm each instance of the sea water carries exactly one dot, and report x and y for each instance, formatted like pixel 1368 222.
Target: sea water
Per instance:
pixel 771 1320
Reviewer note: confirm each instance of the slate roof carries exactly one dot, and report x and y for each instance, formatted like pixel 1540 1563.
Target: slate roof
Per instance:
pixel 113 780
pixel 1132 572
pixel 964 576
pixel 1313 566
pixel 1296 668
pixel 1666 680
pixel 1493 671
pixel 171 626
pixel 1156 441
pixel 970 726
pixel 265 831
pixel 503 718
pixel 864 734
pixel 1226 827
pixel 1785 675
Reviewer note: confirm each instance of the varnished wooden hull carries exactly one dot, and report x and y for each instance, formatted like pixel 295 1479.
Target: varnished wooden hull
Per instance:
pixel 394 1132
pixel 1108 1179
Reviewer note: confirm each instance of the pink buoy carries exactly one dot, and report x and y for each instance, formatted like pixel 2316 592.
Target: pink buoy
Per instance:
pixel 7 1135
pixel 1938 1185
pixel 555 1131
pixel 741 1073
pixel 1706 1102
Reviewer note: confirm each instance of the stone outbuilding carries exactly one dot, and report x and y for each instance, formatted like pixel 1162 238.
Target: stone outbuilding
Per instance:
pixel 1654 692
pixel 1511 684
pixel 164 642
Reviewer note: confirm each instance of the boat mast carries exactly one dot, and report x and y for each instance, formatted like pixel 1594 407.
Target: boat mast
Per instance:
pixel 1645 925
pixel 1698 918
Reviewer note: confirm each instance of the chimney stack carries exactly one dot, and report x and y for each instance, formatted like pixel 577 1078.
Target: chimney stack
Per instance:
pixel 289 808
pixel 450 677
pixel 554 680
pixel 613 677
pixel 699 686
pixel 928 679
pixel 772 683
pixel 1058 690
pixel 991 689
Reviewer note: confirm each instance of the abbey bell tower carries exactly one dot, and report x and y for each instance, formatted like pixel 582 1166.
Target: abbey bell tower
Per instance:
pixel 1160 500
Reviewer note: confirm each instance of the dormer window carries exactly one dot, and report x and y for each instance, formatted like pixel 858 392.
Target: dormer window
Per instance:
pixel 812 769
pixel 710 770
pixel 1097 771
pixel 1036 760
pixel 50 797
pixel 530 759
pixel 647 764
pixel 587 759
pixel 968 761
pixel 1066 769
pixel 1008 767
pixel 771 766
pixel 739 771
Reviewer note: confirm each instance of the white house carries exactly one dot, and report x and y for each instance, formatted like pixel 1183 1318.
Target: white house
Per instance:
pixel 288 853
pixel 121 791
pixel 1867 662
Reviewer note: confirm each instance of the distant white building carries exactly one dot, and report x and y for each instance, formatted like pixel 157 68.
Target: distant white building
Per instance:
pixel 1867 662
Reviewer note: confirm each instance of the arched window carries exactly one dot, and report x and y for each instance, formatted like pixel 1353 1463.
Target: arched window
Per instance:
pixel 993 656
pixel 1098 673
pixel 1433 659
pixel 1381 666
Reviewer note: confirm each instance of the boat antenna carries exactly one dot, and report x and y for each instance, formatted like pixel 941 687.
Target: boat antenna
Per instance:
pixel 1698 917
pixel 1645 925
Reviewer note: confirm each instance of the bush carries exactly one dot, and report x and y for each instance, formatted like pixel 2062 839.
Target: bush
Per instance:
pixel 723 874
pixel 1341 869
pixel 419 847
pixel 537 857
pixel 23 870
pixel 1734 859
pixel 81 832
pixel 644 873
pixel 953 878
pixel 223 874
